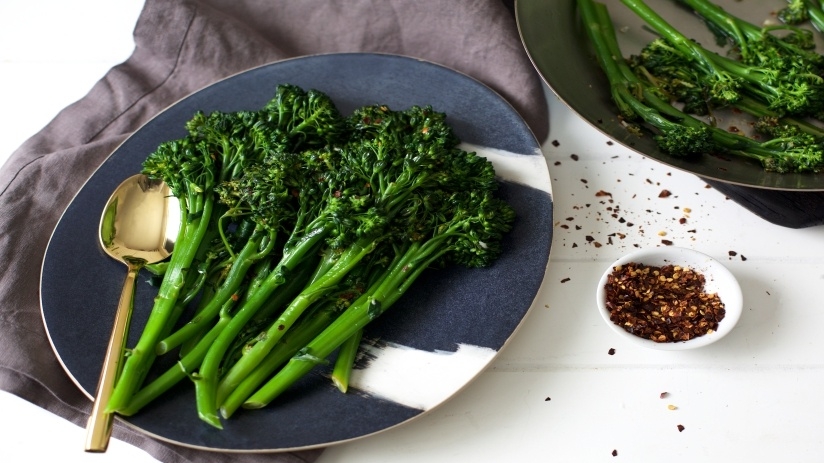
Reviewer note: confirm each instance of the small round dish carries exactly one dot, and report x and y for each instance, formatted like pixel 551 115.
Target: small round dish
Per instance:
pixel 718 278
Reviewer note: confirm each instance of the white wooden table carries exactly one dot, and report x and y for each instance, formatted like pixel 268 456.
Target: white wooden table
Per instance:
pixel 555 393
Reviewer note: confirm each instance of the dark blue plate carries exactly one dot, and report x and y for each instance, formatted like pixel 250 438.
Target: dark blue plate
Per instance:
pixel 459 314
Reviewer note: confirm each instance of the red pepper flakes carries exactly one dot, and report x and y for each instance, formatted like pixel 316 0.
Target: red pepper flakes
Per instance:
pixel 681 428
pixel 664 194
pixel 614 453
pixel 663 304
pixel 611 351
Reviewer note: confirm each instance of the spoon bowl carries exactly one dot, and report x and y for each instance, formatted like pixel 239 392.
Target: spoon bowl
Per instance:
pixel 138 226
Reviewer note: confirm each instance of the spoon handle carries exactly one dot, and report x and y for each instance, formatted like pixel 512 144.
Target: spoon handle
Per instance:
pixel 99 426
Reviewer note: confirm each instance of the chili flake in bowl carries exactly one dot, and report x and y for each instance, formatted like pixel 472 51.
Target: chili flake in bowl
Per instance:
pixel 669 298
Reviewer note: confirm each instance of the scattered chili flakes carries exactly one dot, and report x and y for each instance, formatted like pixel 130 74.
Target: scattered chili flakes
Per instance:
pixel 664 194
pixel 663 395
pixel 556 143
pixel 681 428
pixel 666 242
pixel 547 399
pixel 663 304
pixel 574 157
pixel 614 453
pixel 603 193
pixel 611 351
pixel 565 280
pixel 732 253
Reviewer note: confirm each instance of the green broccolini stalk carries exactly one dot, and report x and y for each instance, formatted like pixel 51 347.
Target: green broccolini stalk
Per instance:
pixel 193 356
pixel 815 12
pixel 344 362
pixel 230 395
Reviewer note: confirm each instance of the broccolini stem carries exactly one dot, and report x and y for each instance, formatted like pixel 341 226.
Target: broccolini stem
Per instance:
pixel 758 109
pixel 173 375
pixel 186 247
pixel 345 362
pixel 206 384
pixel 286 291
pixel 250 254
pixel 673 36
pixel 816 14
pixel 207 396
pixel 232 398
pixel 372 304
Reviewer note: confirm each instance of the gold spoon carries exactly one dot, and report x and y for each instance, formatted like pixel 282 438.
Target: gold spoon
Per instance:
pixel 138 227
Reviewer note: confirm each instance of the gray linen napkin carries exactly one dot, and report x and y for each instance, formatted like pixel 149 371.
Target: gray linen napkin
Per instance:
pixel 180 47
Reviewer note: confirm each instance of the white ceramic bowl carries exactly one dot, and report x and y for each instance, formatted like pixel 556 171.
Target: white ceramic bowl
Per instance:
pixel 718 280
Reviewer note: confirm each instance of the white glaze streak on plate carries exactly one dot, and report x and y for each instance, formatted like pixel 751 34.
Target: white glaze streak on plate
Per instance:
pixel 394 373
pixel 530 170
